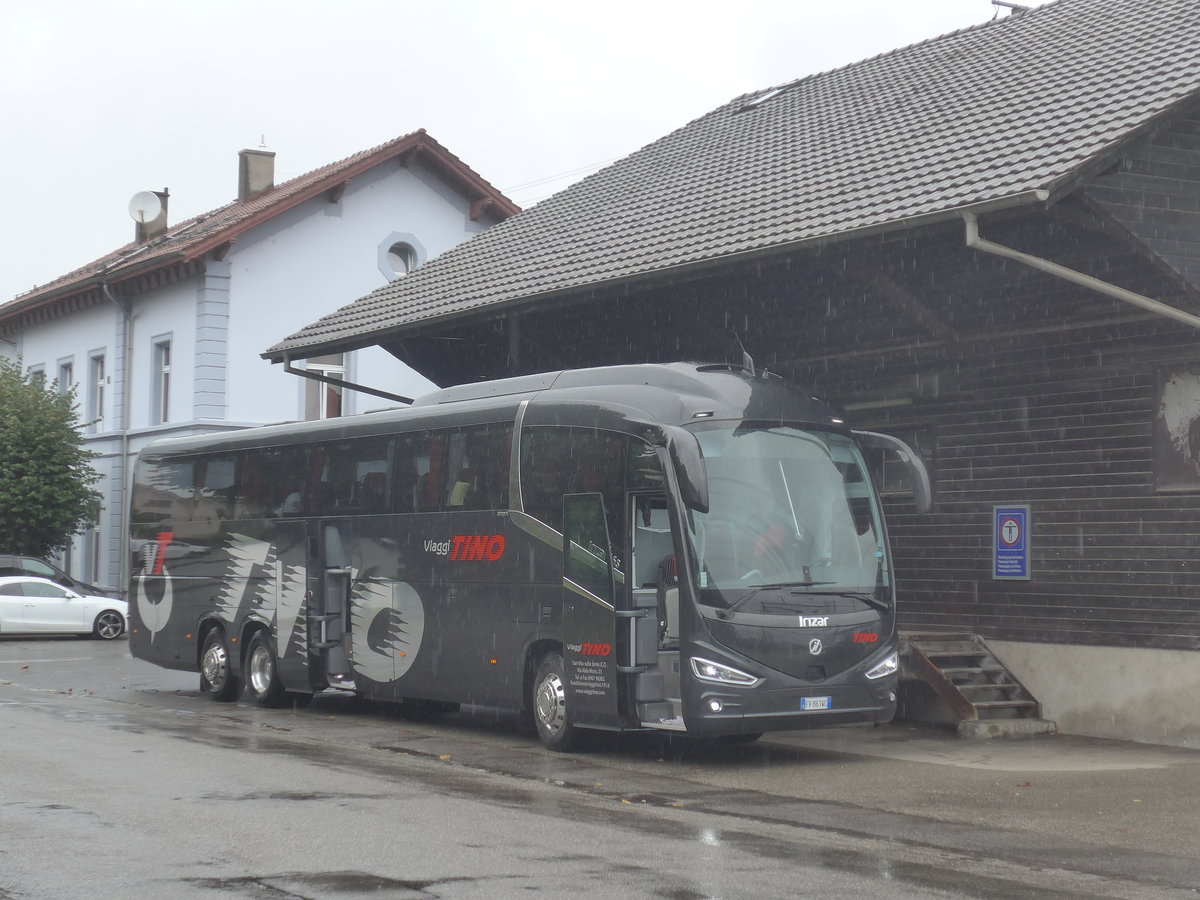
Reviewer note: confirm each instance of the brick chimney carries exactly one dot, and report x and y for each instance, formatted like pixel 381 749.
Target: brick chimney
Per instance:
pixel 144 231
pixel 256 172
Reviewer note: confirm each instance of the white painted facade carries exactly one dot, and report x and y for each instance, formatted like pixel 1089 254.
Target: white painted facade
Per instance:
pixel 274 279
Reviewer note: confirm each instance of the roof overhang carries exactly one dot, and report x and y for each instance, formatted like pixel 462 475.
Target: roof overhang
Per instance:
pixel 501 307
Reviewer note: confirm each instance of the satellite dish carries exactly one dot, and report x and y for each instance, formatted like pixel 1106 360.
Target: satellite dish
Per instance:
pixel 145 207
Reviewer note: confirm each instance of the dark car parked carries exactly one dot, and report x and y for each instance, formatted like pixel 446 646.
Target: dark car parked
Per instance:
pixel 16 564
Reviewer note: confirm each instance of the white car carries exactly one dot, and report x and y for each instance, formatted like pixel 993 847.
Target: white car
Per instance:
pixel 39 606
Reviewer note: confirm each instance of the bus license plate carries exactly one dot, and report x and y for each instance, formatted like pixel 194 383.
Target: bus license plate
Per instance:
pixel 815 702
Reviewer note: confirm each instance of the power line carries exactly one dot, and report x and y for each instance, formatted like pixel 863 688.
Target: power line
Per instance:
pixel 591 167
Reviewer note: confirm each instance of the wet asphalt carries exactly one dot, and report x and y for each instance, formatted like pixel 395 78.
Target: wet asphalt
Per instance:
pixel 1049 815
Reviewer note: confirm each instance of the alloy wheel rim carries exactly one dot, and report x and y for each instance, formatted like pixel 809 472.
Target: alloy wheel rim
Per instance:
pixel 551 703
pixel 260 670
pixel 214 664
pixel 109 625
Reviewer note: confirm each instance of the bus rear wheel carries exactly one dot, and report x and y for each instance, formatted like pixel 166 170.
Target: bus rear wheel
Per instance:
pixel 551 717
pixel 216 674
pixel 262 673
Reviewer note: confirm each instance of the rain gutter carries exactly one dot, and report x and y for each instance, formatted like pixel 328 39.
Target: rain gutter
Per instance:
pixel 1157 307
pixel 326 379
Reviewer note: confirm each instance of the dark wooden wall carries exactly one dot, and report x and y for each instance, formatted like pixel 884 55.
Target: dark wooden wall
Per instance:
pixel 1021 387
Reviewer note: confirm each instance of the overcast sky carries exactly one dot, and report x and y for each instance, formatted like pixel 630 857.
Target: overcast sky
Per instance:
pixel 101 100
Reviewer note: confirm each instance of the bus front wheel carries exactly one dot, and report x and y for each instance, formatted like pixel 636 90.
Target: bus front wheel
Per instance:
pixel 216 673
pixel 262 674
pixel 551 716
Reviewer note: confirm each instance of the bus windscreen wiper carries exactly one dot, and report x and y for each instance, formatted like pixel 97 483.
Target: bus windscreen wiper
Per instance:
pixel 869 599
pixel 757 588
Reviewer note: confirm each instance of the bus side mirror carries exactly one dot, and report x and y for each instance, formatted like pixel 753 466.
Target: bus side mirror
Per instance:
pixel 917 472
pixel 688 459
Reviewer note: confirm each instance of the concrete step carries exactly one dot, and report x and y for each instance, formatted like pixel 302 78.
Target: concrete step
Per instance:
pixel 986 729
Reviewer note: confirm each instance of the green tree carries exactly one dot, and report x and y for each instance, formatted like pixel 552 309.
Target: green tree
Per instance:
pixel 46 476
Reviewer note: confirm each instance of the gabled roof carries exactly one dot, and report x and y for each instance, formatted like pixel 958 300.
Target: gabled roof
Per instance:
pixel 190 240
pixel 1016 110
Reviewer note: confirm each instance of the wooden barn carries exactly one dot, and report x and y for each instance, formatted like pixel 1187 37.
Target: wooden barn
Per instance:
pixel 988 244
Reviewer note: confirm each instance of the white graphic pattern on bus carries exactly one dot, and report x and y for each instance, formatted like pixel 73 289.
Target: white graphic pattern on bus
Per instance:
pixel 290 625
pixel 387 622
pixel 155 613
pixel 244 554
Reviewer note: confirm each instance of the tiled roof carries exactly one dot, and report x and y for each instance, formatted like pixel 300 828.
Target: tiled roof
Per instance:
pixel 191 239
pixel 1030 102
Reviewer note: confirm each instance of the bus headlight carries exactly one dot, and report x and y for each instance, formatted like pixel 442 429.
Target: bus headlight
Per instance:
pixel 718 673
pixel 889 666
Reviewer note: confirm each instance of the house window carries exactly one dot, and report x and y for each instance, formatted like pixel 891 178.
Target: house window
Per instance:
pixel 37 375
pixel 91 554
pixel 66 376
pixel 97 380
pixel 401 258
pixel 161 389
pixel 398 254
pixel 321 399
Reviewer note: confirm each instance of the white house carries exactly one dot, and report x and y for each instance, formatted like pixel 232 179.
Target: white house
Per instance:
pixel 163 335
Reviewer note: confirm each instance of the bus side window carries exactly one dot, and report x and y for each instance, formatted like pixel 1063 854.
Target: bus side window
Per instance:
pixel 249 501
pixel 643 468
pixel 270 483
pixel 477 466
pixel 600 458
pixel 217 488
pixel 419 467
pixel 546 464
pixel 354 478
pixel 570 460
pixel 460 473
pixel 285 470
pixel 164 490
pixel 406 473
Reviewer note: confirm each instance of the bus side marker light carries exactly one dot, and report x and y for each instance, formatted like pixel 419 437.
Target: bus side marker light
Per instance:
pixel 493 662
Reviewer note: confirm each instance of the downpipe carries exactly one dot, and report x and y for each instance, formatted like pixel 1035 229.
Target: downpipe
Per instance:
pixel 975 242
pixel 126 473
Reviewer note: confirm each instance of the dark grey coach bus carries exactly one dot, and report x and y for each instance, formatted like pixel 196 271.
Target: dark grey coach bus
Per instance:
pixel 684 547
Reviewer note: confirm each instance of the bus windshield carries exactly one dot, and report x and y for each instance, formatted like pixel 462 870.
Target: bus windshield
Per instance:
pixel 789 509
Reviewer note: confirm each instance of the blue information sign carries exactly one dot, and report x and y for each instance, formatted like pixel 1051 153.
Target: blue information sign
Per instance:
pixel 1010 541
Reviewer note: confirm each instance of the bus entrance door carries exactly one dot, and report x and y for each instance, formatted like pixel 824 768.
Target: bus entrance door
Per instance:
pixel 654 623
pixel 330 619
pixel 589 612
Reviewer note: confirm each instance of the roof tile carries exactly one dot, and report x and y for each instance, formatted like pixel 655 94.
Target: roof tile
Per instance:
pixel 1013 105
pixel 196 236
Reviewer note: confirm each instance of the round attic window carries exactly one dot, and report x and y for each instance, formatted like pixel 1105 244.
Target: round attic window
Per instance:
pixel 402 258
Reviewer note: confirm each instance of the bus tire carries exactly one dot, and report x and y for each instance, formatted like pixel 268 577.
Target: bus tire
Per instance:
pixel 262 673
pixel 216 671
pixel 548 703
